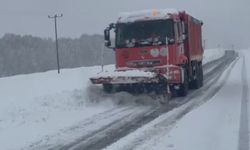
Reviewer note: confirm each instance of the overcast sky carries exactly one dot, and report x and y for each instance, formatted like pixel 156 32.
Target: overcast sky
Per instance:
pixel 226 22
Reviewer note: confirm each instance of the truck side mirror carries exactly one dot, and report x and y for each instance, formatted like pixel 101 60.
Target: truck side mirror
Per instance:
pixel 107 37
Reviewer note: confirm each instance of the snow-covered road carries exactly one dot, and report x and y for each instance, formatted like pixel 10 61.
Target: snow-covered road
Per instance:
pixel 106 135
pixel 73 115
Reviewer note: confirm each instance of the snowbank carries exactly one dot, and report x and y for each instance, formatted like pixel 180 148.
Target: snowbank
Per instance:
pixel 212 54
pixel 36 105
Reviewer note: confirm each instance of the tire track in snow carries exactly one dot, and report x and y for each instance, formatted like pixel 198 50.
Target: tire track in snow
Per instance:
pixel 244 125
pixel 86 128
pixel 106 132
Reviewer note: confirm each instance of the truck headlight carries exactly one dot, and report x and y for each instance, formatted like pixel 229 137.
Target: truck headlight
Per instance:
pixel 154 52
pixel 164 51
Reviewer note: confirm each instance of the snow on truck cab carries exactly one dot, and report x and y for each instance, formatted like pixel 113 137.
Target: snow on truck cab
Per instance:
pixel 155 50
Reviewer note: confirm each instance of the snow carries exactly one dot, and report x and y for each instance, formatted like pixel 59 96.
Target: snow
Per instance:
pixel 153 14
pixel 35 105
pixel 127 73
pixel 40 105
pixel 212 125
pixel 212 54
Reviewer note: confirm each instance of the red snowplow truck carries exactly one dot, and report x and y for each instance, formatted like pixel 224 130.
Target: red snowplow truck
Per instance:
pixel 156 51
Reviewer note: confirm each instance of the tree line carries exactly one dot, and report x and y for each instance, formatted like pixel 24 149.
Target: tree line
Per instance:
pixel 29 54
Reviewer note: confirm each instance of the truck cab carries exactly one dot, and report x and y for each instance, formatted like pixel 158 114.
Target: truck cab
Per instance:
pixel 148 42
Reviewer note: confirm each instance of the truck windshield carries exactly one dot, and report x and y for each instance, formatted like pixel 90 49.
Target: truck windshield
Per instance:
pixel 145 33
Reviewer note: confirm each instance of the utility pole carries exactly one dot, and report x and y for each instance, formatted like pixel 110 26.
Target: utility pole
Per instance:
pixel 102 57
pixel 57 51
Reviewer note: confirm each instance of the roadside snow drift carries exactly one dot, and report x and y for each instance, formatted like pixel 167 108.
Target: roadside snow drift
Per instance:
pixel 212 54
pixel 35 105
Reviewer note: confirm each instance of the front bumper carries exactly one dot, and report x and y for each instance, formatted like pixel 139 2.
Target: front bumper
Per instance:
pixel 170 74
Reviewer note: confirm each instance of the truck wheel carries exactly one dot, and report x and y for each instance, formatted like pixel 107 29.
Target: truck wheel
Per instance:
pixel 108 88
pixel 196 83
pixel 183 91
pixel 201 74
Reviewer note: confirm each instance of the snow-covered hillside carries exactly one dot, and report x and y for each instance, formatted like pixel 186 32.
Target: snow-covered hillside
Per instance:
pixel 36 106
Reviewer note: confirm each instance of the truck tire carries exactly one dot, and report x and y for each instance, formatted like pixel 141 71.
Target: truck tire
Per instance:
pixel 196 83
pixel 108 88
pixel 201 74
pixel 183 91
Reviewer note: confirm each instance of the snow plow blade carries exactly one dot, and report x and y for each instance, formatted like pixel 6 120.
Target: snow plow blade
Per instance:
pixel 156 79
pixel 170 74
pixel 124 80
pixel 125 77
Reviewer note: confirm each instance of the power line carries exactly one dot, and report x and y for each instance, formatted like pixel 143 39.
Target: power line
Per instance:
pixel 57 51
